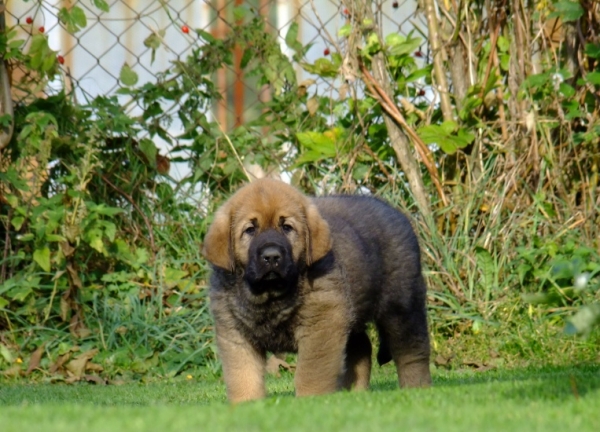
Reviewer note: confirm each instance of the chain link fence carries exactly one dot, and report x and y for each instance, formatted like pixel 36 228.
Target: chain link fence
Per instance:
pixel 91 59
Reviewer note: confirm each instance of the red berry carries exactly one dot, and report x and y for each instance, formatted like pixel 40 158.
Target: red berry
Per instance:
pixel 418 54
pixel 60 59
pixel 326 51
pixel 421 92
pixel 185 29
pixel 395 5
pixel 42 29
pixel 29 20
pixel 346 12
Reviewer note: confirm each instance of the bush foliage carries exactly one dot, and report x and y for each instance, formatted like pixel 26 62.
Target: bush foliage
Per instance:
pixel 100 247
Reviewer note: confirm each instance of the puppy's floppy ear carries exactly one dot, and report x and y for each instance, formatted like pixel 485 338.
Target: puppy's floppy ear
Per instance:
pixel 218 247
pixel 318 237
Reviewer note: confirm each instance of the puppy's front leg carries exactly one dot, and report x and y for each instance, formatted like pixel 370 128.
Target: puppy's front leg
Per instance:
pixel 243 366
pixel 321 338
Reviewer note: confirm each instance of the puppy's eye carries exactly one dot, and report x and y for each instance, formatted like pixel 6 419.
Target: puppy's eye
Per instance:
pixel 287 228
pixel 250 230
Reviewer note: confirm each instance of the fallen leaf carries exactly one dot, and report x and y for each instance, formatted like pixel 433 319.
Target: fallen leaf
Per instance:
pixel 78 327
pixel 65 308
pixel 67 249
pixel 75 279
pixel 72 379
pixel 478 366
pixel 76 367
pixel 6 353
pixel 312 105
pixel 13 371
pixel 93 367
pixel 440 360
pixel 36 357
pixel 94 379
pixel 473 363
pixel 58 364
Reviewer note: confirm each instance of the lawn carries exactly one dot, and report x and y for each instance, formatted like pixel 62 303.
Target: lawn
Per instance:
pixel 545 399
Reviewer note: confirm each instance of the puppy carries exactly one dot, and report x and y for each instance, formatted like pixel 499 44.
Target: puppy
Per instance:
pixel 306 275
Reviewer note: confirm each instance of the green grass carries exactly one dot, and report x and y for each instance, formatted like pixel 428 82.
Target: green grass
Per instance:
pixel 545 399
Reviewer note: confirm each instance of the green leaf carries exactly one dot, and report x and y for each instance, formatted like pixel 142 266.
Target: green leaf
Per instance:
pixel 127 76
pixel 360 171
pixel 78 16
pixel 110 230
pixel 20 293
pixel 584 320
pixel 12 200
pixel 74 18
pixel 246 57
pixel 210 39
pixel 372 46
pixel 317 146
pixel 566 90
pixel 503 44
pixel 593 78
pixel 153 41
pixel 48 63
pixel 239 13
pixel 345 30
pixel 42 257
pixel 394 39
pixel 504 62
pixel 12 176
pixel 445 137
pixel 103 209
pixel 592 50
pixel 141 256
pixel 102 5
pixel 39 51
pixel 94 238
pixel 173 276
pixel 402 46
pixel 291 37
pixel 318 141
pixel 485 263
pixel 322 67
pixel 149 150
pixel 567 10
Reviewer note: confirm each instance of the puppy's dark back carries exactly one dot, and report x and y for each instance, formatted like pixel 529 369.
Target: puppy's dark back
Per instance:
pixel 378 228
pixel 377 247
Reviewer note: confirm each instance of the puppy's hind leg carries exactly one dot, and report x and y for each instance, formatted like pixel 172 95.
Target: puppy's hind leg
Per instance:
pixel 358 362
pixel 403 327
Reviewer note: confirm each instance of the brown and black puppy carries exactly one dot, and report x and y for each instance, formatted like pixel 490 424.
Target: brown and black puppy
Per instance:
pixel 305 275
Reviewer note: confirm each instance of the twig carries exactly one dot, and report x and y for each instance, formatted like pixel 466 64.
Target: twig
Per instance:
pixel 6 245
pixel 438 58
pixel 237 156
pixel 381 165
pixel 392 110
pixel 137 208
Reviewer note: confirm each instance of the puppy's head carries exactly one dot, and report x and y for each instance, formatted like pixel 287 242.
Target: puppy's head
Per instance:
pixel 267 228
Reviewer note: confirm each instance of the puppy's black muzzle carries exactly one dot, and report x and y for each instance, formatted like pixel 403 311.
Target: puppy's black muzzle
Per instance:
pixel 270 263
pixel 270 258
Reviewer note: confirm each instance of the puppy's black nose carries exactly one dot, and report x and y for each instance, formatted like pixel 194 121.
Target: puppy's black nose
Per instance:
pixel 271 255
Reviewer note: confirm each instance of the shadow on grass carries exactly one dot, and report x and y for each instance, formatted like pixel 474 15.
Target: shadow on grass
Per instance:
pixel 548 383
pixel 541 383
